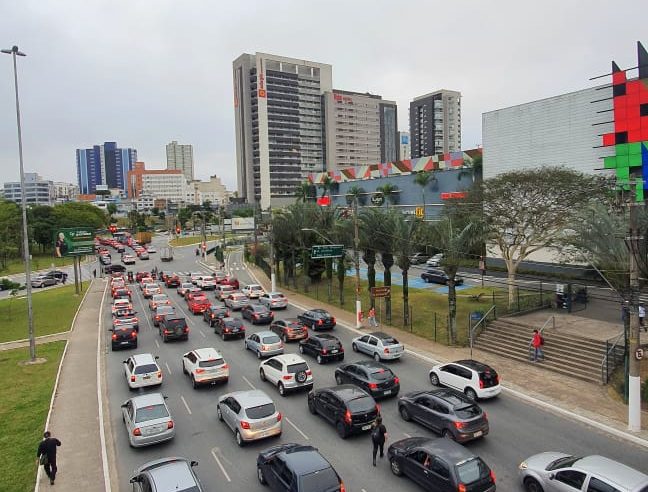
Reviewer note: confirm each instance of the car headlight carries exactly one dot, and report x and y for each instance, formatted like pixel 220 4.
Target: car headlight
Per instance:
pixel 523 465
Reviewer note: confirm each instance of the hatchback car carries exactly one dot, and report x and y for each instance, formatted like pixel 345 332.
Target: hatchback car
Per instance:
pixel 162 311
pixel 143 254
pixel 205 366
pixel 317 319
pixel 288 371
pixel 447 412
pixel 213 313
pixel 264 344
pixel 158 300
pixel 439 277
pixel 554 471
pixel 166 475
pixel 123 317
pixel 142 370
pixel 183 287
pixel 323 346
pixel 150 289
pixel 229 328
pixel 253 291
pixel 173 327
pixel 289 329
pixel 123 336
pixel 274 300
pixel 257 313
pixel 121 305
pixel 429 462
pixel 148 420
pixel 375 378
pixel 198 304
pixel 435 261
pixel 193 293
pixel 229 280
pixel 41 281
pixel 236 300
pixel 475 379
pixel 172 280
pixel 349 408
pixel 128 259
pixel 251 415
pixel 378 345
pixel 297 468
pixel 222 291
pixel 206 282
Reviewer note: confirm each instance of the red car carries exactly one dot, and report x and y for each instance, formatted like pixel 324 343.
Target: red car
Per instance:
pixel 198 304
pixel 229 280
pixel 140 275
pixel 193 294
pixel 172 280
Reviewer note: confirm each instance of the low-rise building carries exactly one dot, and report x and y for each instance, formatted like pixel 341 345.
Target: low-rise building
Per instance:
pixel 38 191
pixel 212 191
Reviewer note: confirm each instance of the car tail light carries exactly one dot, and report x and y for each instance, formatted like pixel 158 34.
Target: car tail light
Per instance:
pixel 347 417
pixel 492 475
pixel 271 314
pixel 132 379
pixel 170 424
pixel 166 332
pixel 199 371
pixel 279 417
pixel 333 320
pixel 481 384
pixel 485 415
pixel 378 408
pixel 324 351
pixel 341 348
pixel 461 488
pixel 287 377
pixel 459 425
pixel 186 329
pixel 373 386
pixel 159 374
pixel 136 319
pixel 255 316
pixel 386 350
pixel 134 334
pixel 245 425
pixel 497 379
pixel 309 372
pixel 320 322
pixel 114 336
pixel 137 431
pixel 227 313
pixel 342 487
pixel 396 380
pixel 225 366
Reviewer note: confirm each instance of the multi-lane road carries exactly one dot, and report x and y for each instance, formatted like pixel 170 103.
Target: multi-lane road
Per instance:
pixel 518 429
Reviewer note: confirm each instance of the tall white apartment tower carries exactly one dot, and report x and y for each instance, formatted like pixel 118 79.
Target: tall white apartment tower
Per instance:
pixel 180 157
pixel 278 124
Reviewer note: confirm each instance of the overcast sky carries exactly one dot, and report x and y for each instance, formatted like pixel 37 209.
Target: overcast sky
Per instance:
pixel 143 73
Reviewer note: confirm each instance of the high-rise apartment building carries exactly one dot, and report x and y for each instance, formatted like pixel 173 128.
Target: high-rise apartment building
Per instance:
pixel 278 123
pixel 168 184
pixel 104 164
pixel 38 191
pixel 180 157
pixel 404 148
pixel 435 123
pixel 360 129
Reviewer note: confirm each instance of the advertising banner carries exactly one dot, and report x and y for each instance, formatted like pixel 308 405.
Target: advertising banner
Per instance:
pixel 74 241
pixel 242 223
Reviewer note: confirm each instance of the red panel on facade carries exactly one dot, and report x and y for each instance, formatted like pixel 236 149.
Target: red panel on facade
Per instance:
pixel 608 139
pixel 618 78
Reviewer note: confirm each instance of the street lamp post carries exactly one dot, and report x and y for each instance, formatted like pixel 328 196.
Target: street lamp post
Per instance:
pixel 356 258
pixel 14 52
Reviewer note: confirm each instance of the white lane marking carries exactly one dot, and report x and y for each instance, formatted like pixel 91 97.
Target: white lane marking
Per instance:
pixel 363 490
pixel 296 428
pixel 248 382
pixel 168 368
pixel 157 343
pixel 185 404
pixel 406 434
pixel 220 465
pixel 201 332
pixel 102 433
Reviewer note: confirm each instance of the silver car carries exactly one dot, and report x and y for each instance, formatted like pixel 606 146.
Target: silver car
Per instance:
pixel 147 420
pixel 557 472
pixel 166 475
pixel 250 414
pixel 378 345
pixel 236 301
pixel 264 344
pixel 274 300
pixel 43 281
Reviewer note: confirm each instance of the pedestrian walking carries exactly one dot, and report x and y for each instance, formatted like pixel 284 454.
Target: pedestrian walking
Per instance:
pixel 642 315
pixel 378 438
pixel 372 318
pixel 94 273
pixel 64 278
pixel 46 455
pixel 537 342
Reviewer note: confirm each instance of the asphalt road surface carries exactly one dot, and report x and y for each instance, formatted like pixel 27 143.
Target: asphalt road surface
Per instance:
pixel 517 429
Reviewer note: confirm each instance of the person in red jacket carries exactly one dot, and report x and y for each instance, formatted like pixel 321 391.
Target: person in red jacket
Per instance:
pixel 537 342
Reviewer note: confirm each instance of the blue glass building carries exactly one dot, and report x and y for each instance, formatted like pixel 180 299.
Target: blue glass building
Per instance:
pixel 104 164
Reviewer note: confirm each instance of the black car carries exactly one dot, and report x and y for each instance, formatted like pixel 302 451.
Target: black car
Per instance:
pixel 114 268
pixel 439 277
pixel 297 468
pixel 350 409
pixel 445 411
pixel 124 336
pixel 174 328
pixel 317 319
pixel 257 313
pixel 375 378
pixel 229 328
pixel 323 347
pixel 213 313
pixel 430 462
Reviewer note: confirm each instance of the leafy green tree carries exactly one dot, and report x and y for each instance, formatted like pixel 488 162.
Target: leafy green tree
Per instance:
pixel 42 223
pixel 78 214
pixel 356 194
pixel 184 214
pixel 370 223
pixel 244 212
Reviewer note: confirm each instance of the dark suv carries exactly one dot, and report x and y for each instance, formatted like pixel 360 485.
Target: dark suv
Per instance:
pixel 257 313
pixel 317 319
pixel 297 468
pixel 124 336
pixel 174 328
pixel 375 378
pixel 349 408
pixel 323 346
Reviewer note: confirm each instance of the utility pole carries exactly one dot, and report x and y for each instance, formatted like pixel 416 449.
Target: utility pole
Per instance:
pixel 356 257
pixel 273 277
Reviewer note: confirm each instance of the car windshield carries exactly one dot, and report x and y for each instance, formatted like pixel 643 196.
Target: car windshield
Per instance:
pixel 472 470
pixel 320 481
pixel 361 404
pixel 467 412
pixel 151 412
pixel 270 339
pixel 260 412
pixel 382 374
pixel 294 368
pixel 146 368
pixel 211 363
pixel 562 462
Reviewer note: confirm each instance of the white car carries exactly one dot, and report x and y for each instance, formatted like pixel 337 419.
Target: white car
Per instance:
pixel 121 304
pixel 205 366
pixel 195 276
pixel 475 379
pixel 148 420
pixel 222 291
pixel 289 372
pixel 151 249
pixel 151 289
pixel 253 291
pixel 142 370
pixel 378 345
pixel 128 260
pixel 274 300
pixel 435 261
pixel 206 282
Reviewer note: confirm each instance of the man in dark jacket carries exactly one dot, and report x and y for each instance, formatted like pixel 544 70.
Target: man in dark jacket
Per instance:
pixel 48 447
pixel 378 437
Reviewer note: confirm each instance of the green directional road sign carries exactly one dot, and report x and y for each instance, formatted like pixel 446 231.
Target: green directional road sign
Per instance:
pixel 327 251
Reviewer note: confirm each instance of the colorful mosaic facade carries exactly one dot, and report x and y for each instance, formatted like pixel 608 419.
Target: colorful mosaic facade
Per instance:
pixel 630 137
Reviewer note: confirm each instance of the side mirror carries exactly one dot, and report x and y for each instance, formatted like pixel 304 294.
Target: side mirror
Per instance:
pixel 194 463
pixel 157 357
pixel 124 405
pixel 552 476
pixel 135 479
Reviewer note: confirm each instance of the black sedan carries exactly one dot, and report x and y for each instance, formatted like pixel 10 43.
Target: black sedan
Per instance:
pixel 257 313
pixel 317 319
pixel 213 313
pixel 323 347
pixel 439 277
pixel 375 378
pixel 229 328
pixel 445 411
pixel 124 336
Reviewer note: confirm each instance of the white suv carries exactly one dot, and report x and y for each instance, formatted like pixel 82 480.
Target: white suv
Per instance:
pixel 473 378
pixel 205 366
pixel 206 282
pixel 142 370
pixel 378 345
pixel 288 371
pixel 253 291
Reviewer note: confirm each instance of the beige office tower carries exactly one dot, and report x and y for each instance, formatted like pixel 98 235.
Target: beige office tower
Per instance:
pixel 278 124
pixel 435 123
pixel 180 157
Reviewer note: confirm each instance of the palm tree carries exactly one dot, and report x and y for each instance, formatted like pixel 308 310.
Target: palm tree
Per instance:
pixel 390 192
pixel 405 237
pixel 358 194
pixel 423 179
pixel 386 246
pixel 326 185
pixel 304 192
pixel 370 224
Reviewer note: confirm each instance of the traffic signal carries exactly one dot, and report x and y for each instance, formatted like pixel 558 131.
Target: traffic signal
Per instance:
pixel 177 229
pixel 113 228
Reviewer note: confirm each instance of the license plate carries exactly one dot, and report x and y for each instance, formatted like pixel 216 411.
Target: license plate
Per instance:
pixel 478 434
pixel 387 392
pixel 146 377
pixel 124 343
pixel 366 427
pixel 334 351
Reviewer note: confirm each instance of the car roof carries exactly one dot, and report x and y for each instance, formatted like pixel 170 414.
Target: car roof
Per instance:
pixel 140 359
pixel 208 353
pixel 275 293
pixel 380 334
pixel 473 364
pixel 612 470
pixel 304 460
pixel 324 336
pixel 266 333
pixel 369 364
pixel 147 400
pixel 250 398
pixel 173 476
pixel 229 319
pixel 176 316
pixel 288 358
pixel 347 392
pixel 451 451
pixel 320 310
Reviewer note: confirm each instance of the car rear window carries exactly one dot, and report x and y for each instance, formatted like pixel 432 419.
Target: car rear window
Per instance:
pixel 146 368
pixel 187 285
pixel 234 322
pixel 151 412
pixel 489 377
pixel 320 481
pixel 175 323
pixel 330 343
pixel 211 363
pixel 165 309
pixel 382 375
pixel 389 341
pixel 472 470
pixel 260 412
pixel 467 412
pixel 271 339
pixel 295 368
pixel 277 296
pixel 362 404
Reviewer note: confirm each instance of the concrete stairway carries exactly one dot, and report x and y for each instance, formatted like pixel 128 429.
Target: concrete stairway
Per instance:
pixel 571 355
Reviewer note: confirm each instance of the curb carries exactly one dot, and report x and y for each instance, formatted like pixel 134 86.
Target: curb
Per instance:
pixel 100 402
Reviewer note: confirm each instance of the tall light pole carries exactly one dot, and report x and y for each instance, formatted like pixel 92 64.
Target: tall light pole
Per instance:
pixel 14 52
pixel 356 258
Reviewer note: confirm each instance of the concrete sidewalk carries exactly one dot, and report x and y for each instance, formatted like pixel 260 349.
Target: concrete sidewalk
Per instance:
pixel 75 413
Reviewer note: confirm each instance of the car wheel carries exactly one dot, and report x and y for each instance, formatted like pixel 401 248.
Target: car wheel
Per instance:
pixel 354 347
pixel 471 393
pixel 165 339
pixel 377 357
pixel 404 414
pixel 262 375
pixel 219 414
pixel 193 382
pixel 447 434
pixel 434 379
pixel 301 349
pixel 341 430
pixel 311 407
pixel 395 467
pixel 282 390
pixel 260 476
pixel 338 379
pixel 319 359
pixel 532 485
pixel 223 335
pixel 239 439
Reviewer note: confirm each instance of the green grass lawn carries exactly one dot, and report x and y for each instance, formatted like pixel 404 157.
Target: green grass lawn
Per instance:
pixel 188 240
pixel 38 262
pixel 26 394
pixel 53 312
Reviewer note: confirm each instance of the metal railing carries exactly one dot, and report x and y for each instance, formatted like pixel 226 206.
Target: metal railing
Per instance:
pixel 481 325
pixel 551 318
pixel 614 354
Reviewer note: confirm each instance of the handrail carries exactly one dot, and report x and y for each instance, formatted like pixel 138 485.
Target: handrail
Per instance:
pixel 604 362
pixel 551 318
pixel 482 321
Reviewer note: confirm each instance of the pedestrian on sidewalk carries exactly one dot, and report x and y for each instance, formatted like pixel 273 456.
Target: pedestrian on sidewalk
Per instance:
pixel 378 438
pixel 537 342
pixel 642 315
pixel 372 318
pixel 94 273
pixel 64 278
pixel 46 455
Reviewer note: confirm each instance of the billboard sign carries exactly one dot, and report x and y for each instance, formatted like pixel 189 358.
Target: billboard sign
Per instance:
pixel 74 241
pixel 242 223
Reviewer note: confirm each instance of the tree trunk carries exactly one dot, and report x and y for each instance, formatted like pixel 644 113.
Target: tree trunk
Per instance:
pixel 293 269
pixel 305 269
pixel 406 316
pixel 511 267
pixel 329 277
pixel 341 274
pixel 452 310
pixel 369 258
pixel 388 262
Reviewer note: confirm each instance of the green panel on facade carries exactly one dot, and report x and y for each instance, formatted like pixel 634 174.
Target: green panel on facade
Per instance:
pixel 640 194
pixel 621 149
pixel 622 161
pixel 634 160
pixel 623 173
pixel 634 148
pixel 609 162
